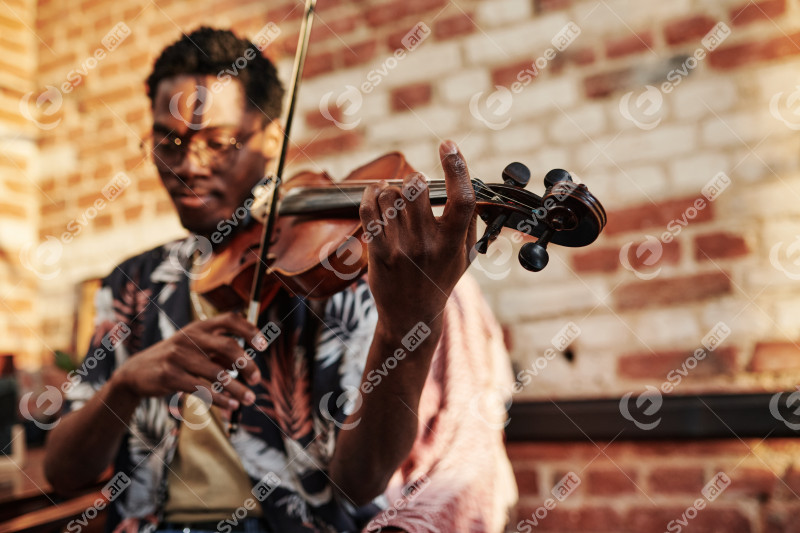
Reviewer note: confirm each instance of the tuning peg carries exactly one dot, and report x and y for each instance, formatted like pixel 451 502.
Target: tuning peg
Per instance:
pixel 533 256
pixel 492 230
pixel 556 175
pixel 517 175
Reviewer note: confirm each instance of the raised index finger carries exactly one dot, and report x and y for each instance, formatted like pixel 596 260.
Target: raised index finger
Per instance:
pixel 460 206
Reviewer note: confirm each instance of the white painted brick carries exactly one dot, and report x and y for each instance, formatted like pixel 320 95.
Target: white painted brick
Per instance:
pixel 578 125
pixel 695 98
pixel 428 62
pixel 474 145
pixel 747 321
pixel 434 122
pixel 624 123
pixel 619 187
pixel 520 303
pixel 545 96
pixel 459 87
pixel 690 174
pixel 662 143
pixel 600 331
pixel 620 17
pixel 781 196
pixel 787 318
pixel 740 129
pixel 527 39
pixel 499 12
pixel 536 337
pixel 665 329
pixel 517 137
pixel 542 161
pixel 778 79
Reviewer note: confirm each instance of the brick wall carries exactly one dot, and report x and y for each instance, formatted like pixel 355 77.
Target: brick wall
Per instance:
pixel 687 137
pixel 19 196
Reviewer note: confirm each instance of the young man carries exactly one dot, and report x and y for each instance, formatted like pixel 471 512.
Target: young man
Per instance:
pixel 410 451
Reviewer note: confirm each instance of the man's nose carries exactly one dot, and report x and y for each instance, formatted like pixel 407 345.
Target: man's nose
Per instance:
pixel 194 162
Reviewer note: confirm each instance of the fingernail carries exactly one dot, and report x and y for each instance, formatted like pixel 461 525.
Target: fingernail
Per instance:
pixel 233 404
pixel 255 377
pixel 449 147
pixel 249 397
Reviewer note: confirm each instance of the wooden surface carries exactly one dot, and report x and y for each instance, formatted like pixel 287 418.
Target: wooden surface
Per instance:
pixel 29 504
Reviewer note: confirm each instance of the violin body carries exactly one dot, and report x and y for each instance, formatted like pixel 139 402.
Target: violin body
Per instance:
pixel 314 255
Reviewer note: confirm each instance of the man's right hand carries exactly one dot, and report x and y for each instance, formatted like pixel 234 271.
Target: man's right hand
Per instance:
pixel 196 356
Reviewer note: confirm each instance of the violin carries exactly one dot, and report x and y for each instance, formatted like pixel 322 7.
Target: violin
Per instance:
pixel 319 246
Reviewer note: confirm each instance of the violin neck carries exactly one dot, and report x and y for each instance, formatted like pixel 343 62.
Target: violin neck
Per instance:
pixel 343 200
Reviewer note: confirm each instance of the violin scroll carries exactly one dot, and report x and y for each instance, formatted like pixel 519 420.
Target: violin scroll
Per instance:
pixel 567 214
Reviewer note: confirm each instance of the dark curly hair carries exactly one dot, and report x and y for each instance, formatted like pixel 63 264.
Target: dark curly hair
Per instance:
pixel 209 51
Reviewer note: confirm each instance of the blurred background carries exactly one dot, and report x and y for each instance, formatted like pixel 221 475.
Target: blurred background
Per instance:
pixel 681 117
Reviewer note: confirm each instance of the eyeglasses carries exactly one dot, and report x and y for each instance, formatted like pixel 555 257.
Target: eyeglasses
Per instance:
pixel 214 149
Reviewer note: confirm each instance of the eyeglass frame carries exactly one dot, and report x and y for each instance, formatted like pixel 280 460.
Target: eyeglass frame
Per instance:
pixel 184 144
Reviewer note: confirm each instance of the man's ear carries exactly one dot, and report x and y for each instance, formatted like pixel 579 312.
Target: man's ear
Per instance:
pixel 273 137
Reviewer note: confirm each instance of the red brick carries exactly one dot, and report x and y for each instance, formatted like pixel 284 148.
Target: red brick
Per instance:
pixel 581 56
pixel 523 452
pixel 543 6
pixel 410 96
pixel 610 482
pixel 711 448
pixel 653 255
pixel 755 11
pixel 506 75
pixel 659 215
pixel 596 260
pixel 338 143
pixel 164 207
pixel 672 480
pixel 759 483
pixel 721 361
pixel 386 12
pixel 133 213
pixel 87 200
pixel 460 24
pixel 688 29
pixel 316 119
pixel 333 28
pixel 287 12
pixel 527 482
pixel 792 480
pixel 359 53
pixel 668 291
pixel 630 44
pixel 712 519
pixel 563 519
pixel 148 183
pixel 103 221
pixel 720 245
pixel 744 53
pixel 781 46
pixel 775 357
pixel 735 55
pixel 395 39
pixel 604 84
pixel 18 305
pixel 317 64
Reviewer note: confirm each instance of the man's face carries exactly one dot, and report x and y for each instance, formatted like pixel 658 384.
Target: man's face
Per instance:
pixel 206 181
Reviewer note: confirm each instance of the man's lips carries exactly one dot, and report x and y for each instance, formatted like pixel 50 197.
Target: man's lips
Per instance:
pixel 194 199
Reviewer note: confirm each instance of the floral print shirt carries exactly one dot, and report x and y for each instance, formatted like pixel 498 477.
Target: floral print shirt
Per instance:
pixel 456 478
